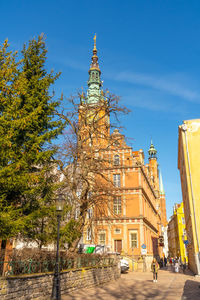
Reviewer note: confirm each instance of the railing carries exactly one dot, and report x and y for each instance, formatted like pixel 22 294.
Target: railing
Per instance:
pixel 10 268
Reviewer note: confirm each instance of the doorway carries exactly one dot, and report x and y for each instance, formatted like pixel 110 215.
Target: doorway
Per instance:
pixel 118 245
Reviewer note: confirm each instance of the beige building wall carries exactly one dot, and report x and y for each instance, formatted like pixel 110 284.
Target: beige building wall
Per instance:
pixel 189 167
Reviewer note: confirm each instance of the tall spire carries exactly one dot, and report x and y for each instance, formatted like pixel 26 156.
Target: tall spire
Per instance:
pixel 95 65
pixel 162 191
pixel 94 82
pixel 152 151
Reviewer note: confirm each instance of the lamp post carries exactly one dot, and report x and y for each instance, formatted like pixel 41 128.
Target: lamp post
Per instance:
pixel 56 294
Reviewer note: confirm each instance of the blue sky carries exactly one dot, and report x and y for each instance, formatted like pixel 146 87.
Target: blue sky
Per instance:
pixel 148 53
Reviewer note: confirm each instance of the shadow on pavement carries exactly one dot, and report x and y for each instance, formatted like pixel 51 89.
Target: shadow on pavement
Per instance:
pixel 191 290
pixel 141 287
pixel 123 292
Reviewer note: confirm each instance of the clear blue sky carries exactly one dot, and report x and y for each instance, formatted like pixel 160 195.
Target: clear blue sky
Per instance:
pixel 148 52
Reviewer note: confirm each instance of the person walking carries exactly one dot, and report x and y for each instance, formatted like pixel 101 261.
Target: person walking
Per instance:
pixel 176 266
pixel 165 261
pixel 184 265
pixel 154 269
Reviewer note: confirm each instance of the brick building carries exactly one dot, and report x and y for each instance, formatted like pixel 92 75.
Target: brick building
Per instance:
pixel 138 207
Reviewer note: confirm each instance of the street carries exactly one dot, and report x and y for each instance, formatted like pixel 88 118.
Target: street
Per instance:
pixel 139 286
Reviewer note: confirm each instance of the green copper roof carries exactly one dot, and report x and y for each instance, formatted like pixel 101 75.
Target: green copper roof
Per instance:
pixel 94 82
pixel 162 191
pixel 152 151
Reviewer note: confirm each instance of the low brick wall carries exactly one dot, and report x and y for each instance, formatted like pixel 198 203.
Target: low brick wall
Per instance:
pixel 39 287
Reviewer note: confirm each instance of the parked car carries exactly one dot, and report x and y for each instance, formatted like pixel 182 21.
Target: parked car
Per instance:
pixel 124 264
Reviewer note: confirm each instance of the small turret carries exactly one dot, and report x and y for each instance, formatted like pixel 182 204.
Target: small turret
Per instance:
pixel 152 151
pixel 153 167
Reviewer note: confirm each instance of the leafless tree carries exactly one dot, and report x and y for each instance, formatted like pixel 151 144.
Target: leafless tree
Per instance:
pixel 84 157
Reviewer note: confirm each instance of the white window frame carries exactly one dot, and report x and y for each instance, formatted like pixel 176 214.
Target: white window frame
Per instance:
pixel 117 180
pixel 117 205
pixel 130 239
pixel 99 239
pixel 89 213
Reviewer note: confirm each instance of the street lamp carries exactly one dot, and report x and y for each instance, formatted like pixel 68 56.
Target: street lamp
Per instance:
pixel 56 294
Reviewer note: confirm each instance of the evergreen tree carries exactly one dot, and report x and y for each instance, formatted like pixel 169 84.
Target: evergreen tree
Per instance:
pixel 27 127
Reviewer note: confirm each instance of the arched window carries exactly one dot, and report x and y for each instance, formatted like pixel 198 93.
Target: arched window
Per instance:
pixel 116 160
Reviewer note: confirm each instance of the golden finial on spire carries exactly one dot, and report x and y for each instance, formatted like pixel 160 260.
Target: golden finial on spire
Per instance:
pixel 94 65
pixel 95 38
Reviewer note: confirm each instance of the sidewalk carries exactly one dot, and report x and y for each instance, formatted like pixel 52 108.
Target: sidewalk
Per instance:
pixel 139 286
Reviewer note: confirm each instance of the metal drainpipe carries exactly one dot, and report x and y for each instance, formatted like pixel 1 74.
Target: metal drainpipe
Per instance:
pixel 184 128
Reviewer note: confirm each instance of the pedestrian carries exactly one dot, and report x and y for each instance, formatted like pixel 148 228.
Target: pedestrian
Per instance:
pixel 176 266
pixel 154 269
pixel 165 261
pixel 184 266
pixel 171 262
pixel 161 263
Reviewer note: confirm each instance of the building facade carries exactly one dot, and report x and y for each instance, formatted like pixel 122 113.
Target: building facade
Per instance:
pixel 188 165
pixel 134 223
pixel 177 237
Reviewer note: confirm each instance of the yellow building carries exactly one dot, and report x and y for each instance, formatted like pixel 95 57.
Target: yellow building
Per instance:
pixel 188 164
pixel 177 234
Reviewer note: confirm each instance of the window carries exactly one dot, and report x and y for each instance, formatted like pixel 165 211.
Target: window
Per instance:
pixel 89 194
pixel 116 144
pixel 102 238
pixel 116 160
pixel 117 231
pixel 78 194
pixel 77 213
pixel 89 234
pixel 183 221
pixel 133 240
pixel 117 180
pixel 117 205
pixel 89 213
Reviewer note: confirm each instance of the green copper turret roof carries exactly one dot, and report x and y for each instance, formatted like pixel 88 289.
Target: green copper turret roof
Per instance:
pixel 162 191
pixel 152 151
pixel 94 82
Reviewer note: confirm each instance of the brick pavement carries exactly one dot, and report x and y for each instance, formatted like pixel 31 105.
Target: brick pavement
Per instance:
pixel 139 286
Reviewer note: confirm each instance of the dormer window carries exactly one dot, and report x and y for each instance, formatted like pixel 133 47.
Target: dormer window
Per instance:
pixel 116 160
